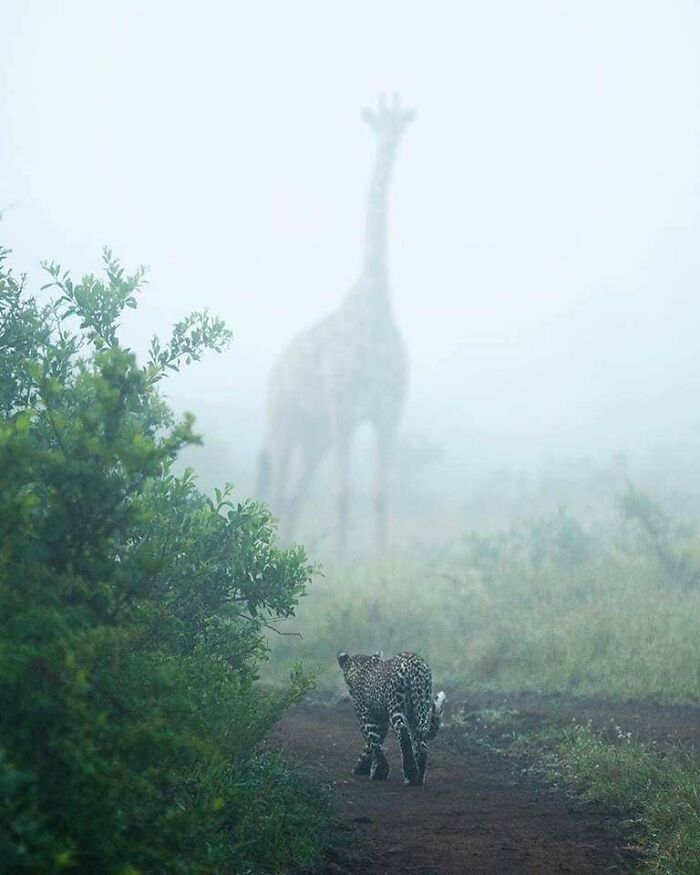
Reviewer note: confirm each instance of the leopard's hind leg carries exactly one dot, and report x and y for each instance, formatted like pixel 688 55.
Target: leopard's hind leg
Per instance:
pixel 364 764
pixel 380 768
pixel 401 728
pixel 373 761
pixel 420 749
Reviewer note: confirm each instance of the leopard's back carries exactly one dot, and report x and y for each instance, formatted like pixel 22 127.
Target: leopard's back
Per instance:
pixel 395 692
pixel 381 687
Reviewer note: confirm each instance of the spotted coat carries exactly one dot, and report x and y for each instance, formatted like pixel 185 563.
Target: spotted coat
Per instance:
pixel 395 692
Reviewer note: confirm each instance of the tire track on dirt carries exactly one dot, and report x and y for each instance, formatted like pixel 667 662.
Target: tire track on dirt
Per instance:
pixel 474 815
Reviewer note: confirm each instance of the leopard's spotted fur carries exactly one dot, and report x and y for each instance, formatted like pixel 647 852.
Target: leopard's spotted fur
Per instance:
pixel 398 693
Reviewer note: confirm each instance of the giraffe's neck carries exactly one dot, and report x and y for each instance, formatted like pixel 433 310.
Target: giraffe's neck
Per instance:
pixel 375 264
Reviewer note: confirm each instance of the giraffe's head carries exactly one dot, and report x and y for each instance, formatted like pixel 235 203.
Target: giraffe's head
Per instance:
pixel 388 120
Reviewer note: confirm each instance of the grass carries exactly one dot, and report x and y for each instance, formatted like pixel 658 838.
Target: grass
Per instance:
pixel 607 625
pixel 282 813
pixel 553 604
pixel 659 791
pixel 549 605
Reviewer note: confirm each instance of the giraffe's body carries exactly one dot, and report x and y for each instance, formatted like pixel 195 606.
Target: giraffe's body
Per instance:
pixel 347 369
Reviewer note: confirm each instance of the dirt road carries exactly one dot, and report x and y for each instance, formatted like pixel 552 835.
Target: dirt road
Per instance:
pixel 476 814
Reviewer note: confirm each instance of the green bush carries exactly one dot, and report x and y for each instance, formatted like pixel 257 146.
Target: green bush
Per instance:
pixel 661 538
pixel 132 609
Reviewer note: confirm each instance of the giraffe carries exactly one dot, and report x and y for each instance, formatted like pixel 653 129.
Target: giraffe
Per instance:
pixel 347 369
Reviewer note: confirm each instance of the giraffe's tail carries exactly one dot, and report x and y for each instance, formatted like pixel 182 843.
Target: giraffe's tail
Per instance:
pixel 263 475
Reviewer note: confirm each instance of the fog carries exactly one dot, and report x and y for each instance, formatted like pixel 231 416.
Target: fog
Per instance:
pixel 544 225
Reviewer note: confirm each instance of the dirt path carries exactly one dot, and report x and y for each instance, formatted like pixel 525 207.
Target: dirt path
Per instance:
pixel 474 815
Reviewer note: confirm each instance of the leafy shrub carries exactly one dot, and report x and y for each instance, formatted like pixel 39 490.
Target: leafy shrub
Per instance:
pixel 556 543
pixel 661 538
pixel 131 611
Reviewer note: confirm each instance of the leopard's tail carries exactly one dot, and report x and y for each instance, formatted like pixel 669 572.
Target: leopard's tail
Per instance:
pixel 427 711
pixel 436 715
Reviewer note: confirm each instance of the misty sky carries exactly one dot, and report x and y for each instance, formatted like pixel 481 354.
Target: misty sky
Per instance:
pixel 544 226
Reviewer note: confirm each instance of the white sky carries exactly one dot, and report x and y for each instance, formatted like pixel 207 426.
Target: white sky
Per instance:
pixel 553 170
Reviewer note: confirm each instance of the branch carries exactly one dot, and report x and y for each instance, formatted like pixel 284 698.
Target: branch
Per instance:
pixel 268 626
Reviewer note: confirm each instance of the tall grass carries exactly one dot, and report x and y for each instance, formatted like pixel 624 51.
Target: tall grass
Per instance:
pixel 547 605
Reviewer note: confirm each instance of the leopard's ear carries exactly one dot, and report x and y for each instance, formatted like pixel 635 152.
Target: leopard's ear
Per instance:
pixel 343 659
pixel 379 654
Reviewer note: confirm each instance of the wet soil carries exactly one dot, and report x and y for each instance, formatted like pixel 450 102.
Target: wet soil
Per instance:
pixel 477 813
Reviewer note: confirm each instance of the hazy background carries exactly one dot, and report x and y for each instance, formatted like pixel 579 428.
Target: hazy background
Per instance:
pixel 545 223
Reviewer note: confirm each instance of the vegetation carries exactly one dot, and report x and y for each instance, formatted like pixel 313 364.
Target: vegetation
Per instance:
pixel 132 609
pixel 135 612
pixel 551 604
pixel 657 790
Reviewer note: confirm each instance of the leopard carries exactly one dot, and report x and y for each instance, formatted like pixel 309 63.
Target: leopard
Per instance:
pixel 395 692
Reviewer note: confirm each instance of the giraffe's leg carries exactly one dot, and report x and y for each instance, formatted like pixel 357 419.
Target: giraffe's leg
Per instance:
pixel 263 487
pixel 310 457
pixel 279 474
pixel 342 471
pixel 385 444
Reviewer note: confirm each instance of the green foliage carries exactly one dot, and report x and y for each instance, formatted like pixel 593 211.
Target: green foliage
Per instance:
pixel 661 538
pixel 131 612
pixel 551 605
pixel 536 547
